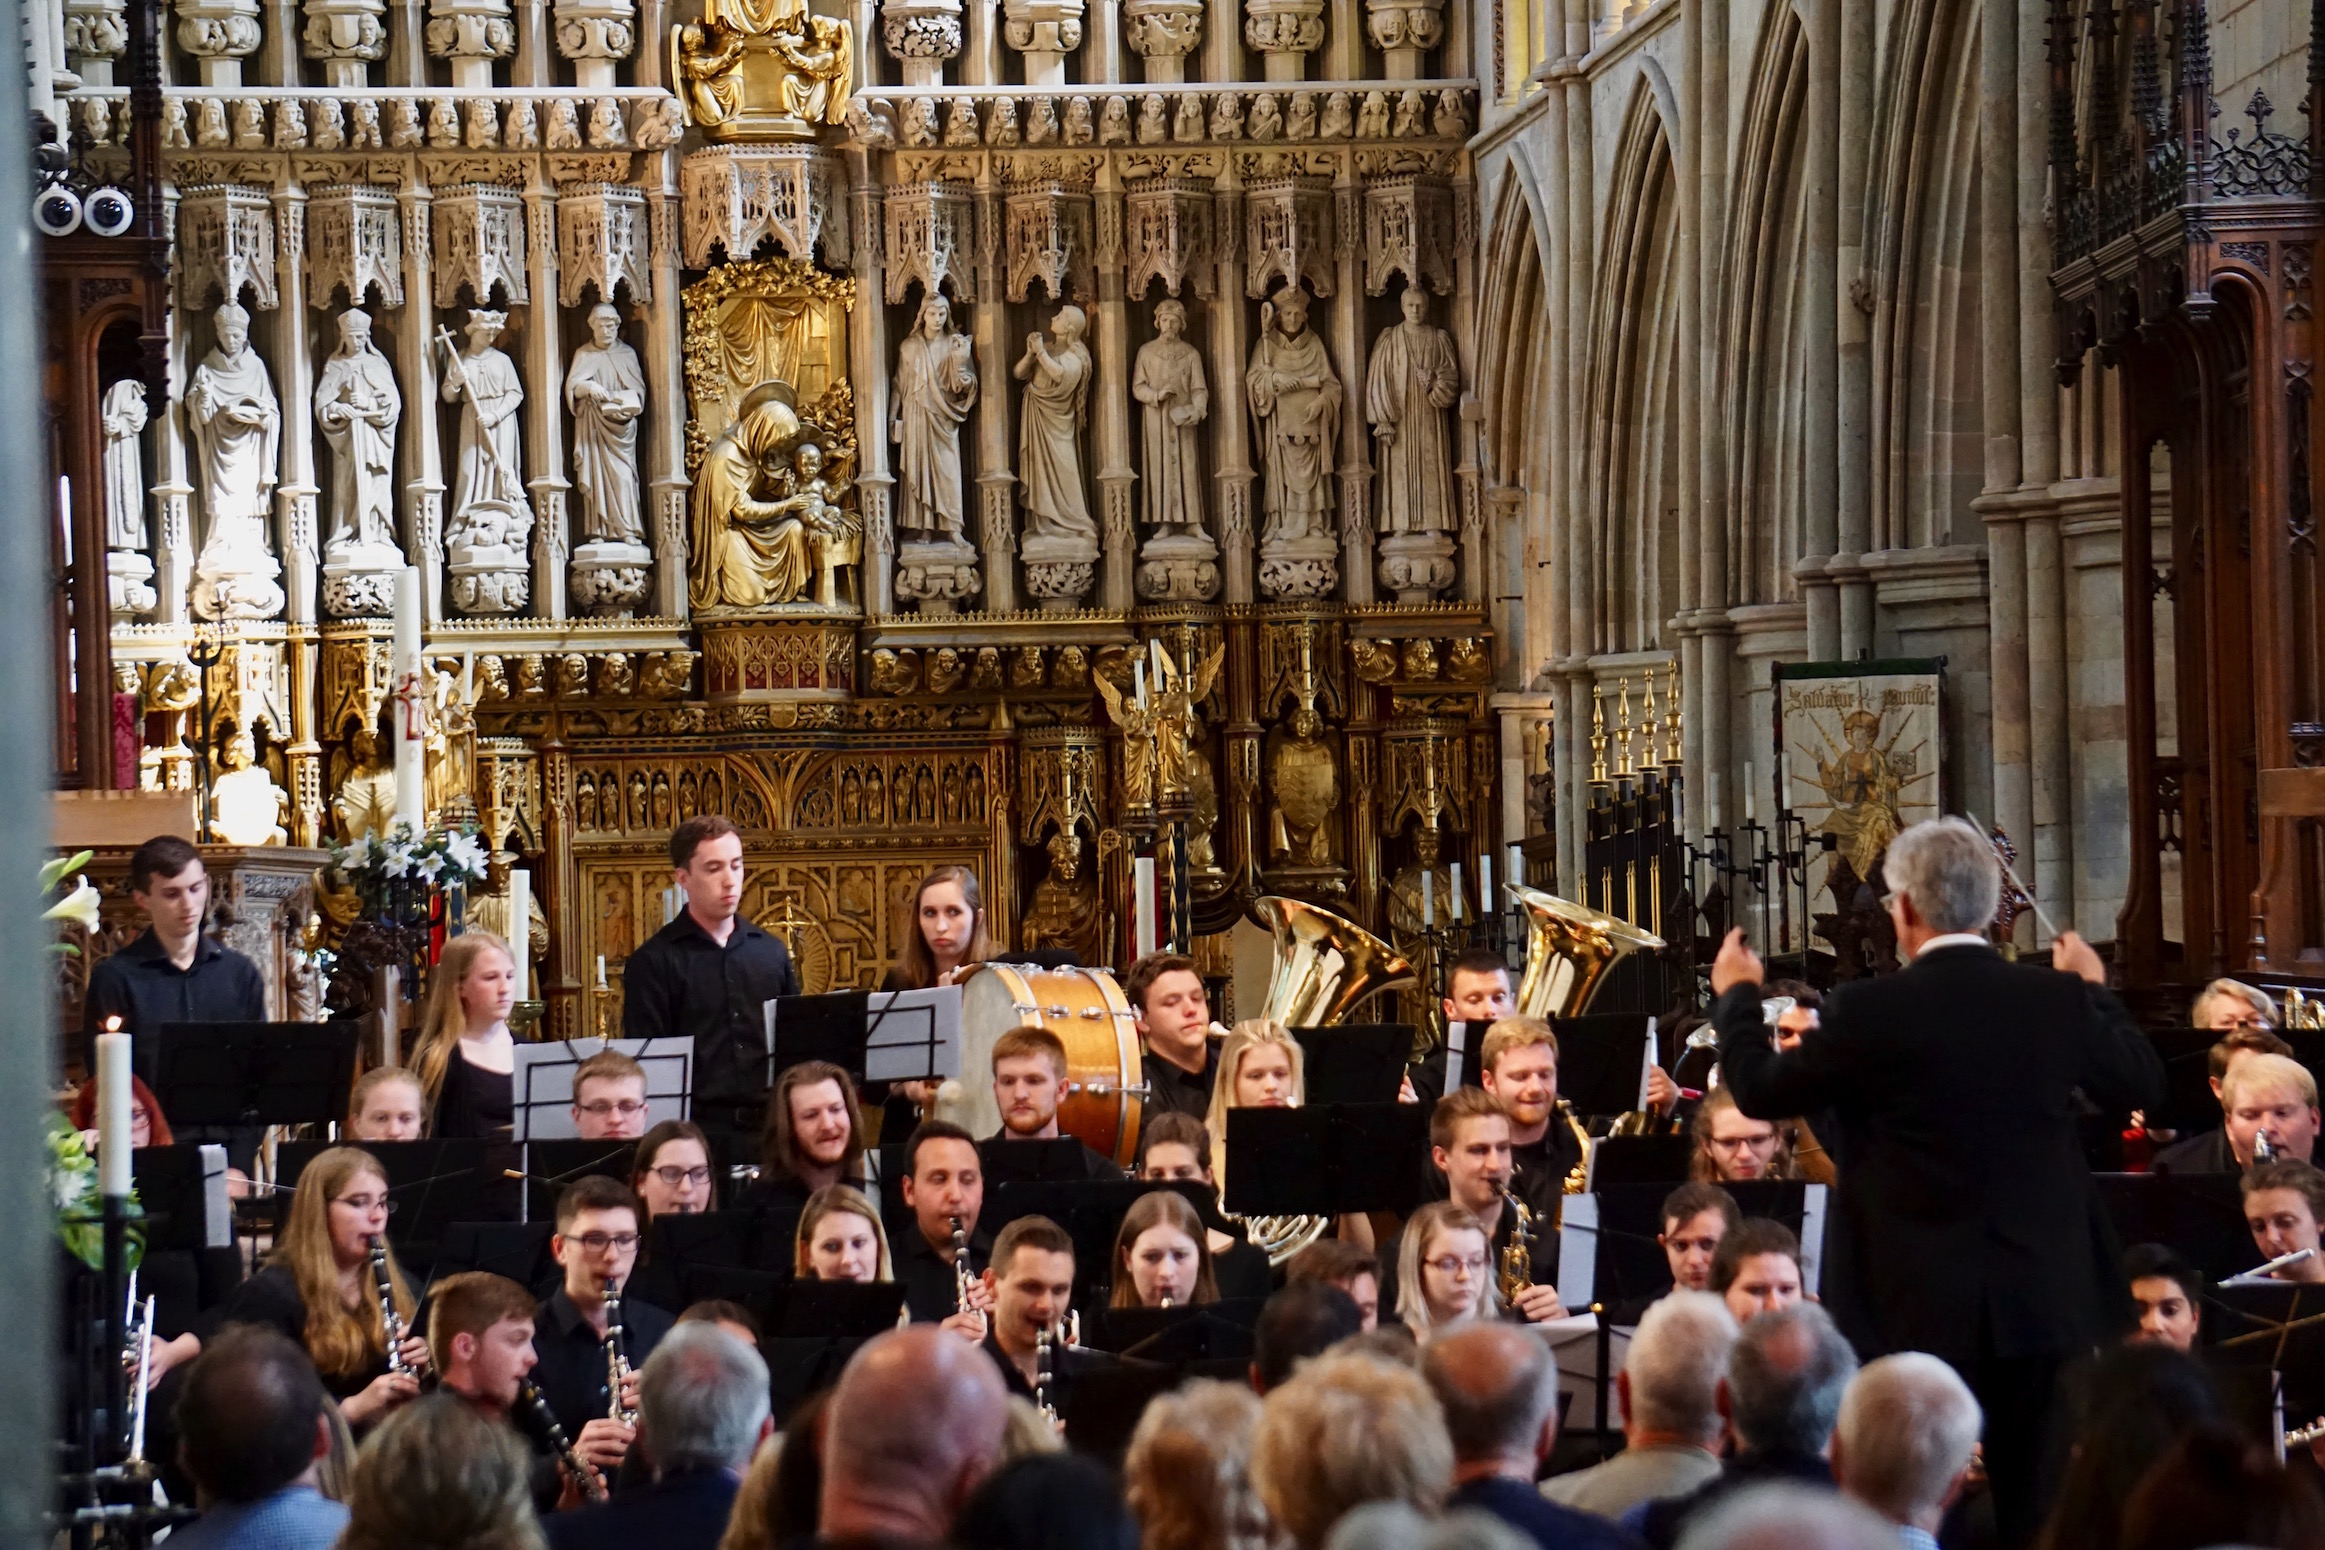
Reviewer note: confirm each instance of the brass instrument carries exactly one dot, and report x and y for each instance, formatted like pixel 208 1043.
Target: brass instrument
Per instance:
pixel 2264 1151
pixel 391 1323
pixel 1517 1269
pixel 139 1359
pixel 2302 1010
pixel 1569 950
pixel 529 1397
pixel 617 1361
pixel 1578 1176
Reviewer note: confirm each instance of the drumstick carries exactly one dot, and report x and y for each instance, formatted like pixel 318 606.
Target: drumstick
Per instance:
pixel 2040 914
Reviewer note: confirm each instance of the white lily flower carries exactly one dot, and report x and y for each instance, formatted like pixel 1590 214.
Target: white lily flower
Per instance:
pixel 79 906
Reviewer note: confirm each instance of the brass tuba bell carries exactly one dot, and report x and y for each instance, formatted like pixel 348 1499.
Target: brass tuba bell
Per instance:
pixel 1325 967
pixel 1569 950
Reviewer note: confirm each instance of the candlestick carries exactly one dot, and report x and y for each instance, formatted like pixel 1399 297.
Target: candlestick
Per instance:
pixel 1453 896
pixel 408 679
pixel 114 1120
pixel 1142 905
pixel 1428 900
pixel 521 926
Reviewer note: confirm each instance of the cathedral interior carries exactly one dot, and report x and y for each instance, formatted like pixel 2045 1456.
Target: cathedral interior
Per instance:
pixel 1322 444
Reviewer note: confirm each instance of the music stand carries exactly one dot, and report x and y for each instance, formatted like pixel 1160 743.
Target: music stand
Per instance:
pixel 2278 1326
pixel 550 1166
pixel 832 1309
pixel 1660 1160
pixel 873 1035
pixel 182 1190
pixel 541 1083
pixel 1355 1062
pixel 1601 1060
pixel 1325 1159
pixel 518 1251
pixel 1052 1160
pixel 735 1240
pixel 1217 1331
pixel 242 1074
pixel 1463 1040
pixel 1607 1251
pixel 2199 1214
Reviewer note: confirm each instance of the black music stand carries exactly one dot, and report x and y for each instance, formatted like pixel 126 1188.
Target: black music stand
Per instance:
pixel 1220 1331
pixel 518 1251
pixel 550 1166
pixel 1355 1062
pixel 1628 1268
pixel 1599 1059
pixel 1102 1408
pixel 1325 1159
pixel 243 1074
pixel 2277 1326
pixel 828 1310
pixel 798 1366
pixel 2199 1214
pixel 1659 1160
pixel 1052 1160
pixel 874 1036
pixel 174 1187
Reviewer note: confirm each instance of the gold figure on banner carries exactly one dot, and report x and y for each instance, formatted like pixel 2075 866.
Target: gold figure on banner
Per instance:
pixel 762 69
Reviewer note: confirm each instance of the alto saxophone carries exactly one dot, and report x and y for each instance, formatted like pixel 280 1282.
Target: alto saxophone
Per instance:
pixel 1517 1269
pixel 617 1361
pixel 391 1322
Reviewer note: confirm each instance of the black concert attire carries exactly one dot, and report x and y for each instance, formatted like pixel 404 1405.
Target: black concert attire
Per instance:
pixel 1243 1272
pixel 474 1104
pixel 139 985
pixel 683 984
pixel 2207 1153
pixel 931 1289
pixel 1550 1526
pixel 1170 1089
pixel 1541 1168
pixel 1664 1521
pixel 1067 1365
pixel 571 1371
pixel 271 1300
pixel 677 1512
pixel 1966 1224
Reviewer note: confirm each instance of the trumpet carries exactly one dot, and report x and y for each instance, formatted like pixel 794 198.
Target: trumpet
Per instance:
pixel 545 1420
pixel 391 1323
pixel 617 1361
pixel 139 1360
pixel 1517 1268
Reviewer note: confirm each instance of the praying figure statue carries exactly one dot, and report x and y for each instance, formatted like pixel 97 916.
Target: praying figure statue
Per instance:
pixel 1167 380
pixel 235 420
pixel 483 381
pixel 363 800
pixel 1414 379
pixel 936 386
pixel 357 407
pixel 1056 373
pixel 606 390
pixel 1295 395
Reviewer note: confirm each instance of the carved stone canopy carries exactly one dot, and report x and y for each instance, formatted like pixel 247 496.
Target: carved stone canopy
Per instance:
pixel 931 237
pixel 737 196
pixel 354 239
pixel 1288 234
pixel 601 241
pixel 480 240
pixel 1168 233
pixel 1409 227
pixel 1051 225
pixel 225 242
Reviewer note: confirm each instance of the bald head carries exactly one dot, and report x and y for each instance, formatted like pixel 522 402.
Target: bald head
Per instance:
pixel 914 1426
pixel 1499 1390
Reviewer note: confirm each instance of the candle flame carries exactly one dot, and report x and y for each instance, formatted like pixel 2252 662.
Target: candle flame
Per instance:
pixel 113 1023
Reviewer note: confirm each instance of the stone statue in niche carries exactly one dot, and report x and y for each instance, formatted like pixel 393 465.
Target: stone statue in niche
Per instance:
pixel 491 521
pixel 1178 562
pixel 1065 904
pixel 364 799
pixel 1061 539
pixel 936 386
pixel 1305 784
pixel 1295 396
pixel 128 569
pixel 236 422
pixel 488 910
pixel 1408 911
pixel 1414 379
pixel 357 408
pixel 246 806
pixel 605 389
pixel 764 519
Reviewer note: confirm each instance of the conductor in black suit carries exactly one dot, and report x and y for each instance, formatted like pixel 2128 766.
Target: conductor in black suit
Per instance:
pixel 1967 1224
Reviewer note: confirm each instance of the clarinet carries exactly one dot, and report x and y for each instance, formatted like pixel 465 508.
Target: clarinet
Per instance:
pixel 529 1396
pixel 1044 1374
pixel 961 1273
pixel 617 1362
pixel 391 1322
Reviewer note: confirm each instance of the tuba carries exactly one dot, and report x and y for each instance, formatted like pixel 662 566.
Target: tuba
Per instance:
pixel 1569 950
pixel 1325 968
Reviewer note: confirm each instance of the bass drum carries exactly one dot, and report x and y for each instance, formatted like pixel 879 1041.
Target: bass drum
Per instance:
pixel 1085 1009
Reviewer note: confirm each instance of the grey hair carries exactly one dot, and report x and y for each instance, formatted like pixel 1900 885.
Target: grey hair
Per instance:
pixel 1908 1424
pixel 1948 870
pixel 1394 1525
pixel 1678 1356
pixel 2235 990
pixel 1788 1517
pixel 1784 1399
pixel 703 1400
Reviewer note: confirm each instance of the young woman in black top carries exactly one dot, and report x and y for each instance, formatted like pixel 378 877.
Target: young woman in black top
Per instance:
pixel 465 1055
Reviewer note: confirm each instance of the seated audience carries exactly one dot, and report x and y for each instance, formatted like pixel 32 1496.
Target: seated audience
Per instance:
pixel 2139 1401
pixel 913 1429
pixel 1669 1396
pixel 1177 1147
pixel 1790 1517
pixel 795 1493
pixel 1445 1269
pixel 840 1238
pixel 1733 1148
pixel 2218 1487
pixel 2226 1006
pixel 1498 1386
pixel 702 1413
pixel 609 1098
pixel 1345 1430
pixel 1781 1398
pixel 1695 1218
pixel 1029 1082
pixel 1187 1474
pixel 2283 1203
pixel 750 1525
pixel 387 1105
pixel 253 1432
pixel 2170 1294
pixel 1757 1268
pixel 441 1475
pixel 671 1171
pixel 1304 1320
pixel 2210 1151
pixel 1162 1257
pixel 1355 1271
pixel 814 1137
pixel 943 1186
pixel 1907 1434
pixel 1052 1500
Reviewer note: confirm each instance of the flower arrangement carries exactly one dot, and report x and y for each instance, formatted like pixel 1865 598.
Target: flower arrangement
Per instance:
pixel 404 862
pixel 72 1189
pixel 79 906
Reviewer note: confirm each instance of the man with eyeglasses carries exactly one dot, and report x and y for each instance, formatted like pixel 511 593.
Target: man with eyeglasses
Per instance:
pixel 596 1243
pixel 609 1098
pixel 1469 1140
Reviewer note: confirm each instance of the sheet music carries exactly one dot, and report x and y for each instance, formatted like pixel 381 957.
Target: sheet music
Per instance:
pixel 1813 1200
pixel 217 1209
pixel 541 1082
pixel 1578 1250
pixel 1456 1051
pixel 909 1035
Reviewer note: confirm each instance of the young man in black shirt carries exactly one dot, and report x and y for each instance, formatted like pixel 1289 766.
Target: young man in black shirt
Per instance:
pixel 597 1244
pixel 709 974
pixel 1174 1026
pixel 944 1182
pixel 1029 1080
pixel 172 973
pixel 1032 1279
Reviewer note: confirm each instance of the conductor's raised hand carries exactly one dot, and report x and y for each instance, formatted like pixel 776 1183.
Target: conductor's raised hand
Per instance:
pixel 2070 954
pixel 1735 965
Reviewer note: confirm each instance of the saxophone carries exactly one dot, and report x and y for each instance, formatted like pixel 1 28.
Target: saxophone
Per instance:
pixel 391 1322
pixel 545 1421
pixel 1517 1269
pixel 617 1361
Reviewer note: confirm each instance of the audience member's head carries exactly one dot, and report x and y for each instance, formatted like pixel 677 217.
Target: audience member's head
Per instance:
pixel 2140 1400
pixel 1670 1382
pixel 2228 1005
pixel 2217 1487
pixel 1398 1526
pixel 1337 1262
pixel 750 1521
pixel 440 1474
pixel 1908 1427
pixel 1786 1377
pixel 1188 1472
pixel 1346 1430
pixel 1498 1387
pixel 795 1496
pixel 1788 1517
pixel 1305 1319
pixel 1756 1268
pixel 2170 1295
pixel 914 1428
pixel 702 1401
pixel 250 1417
pixel 1695 1218
pixel 1048 1501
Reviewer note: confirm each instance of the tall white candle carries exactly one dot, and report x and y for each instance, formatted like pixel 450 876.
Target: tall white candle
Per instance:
pixel 1715 800
pixel 601 984
pixel 1784 780
pixel 1138 677
pixel 1142 905
pixel 521 927
pixel 1453 896
pixel 1428 900
pixel 409 685
pixel 1485 904
pixel 113 1117
pixel 1517 866
pixel 1749 815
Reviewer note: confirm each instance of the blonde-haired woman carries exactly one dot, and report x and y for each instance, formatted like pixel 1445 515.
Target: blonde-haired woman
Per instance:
pixel 1445 1270
pixel 465 1055
pixel 840 1238
pixel 1261 1066
pixel 318 1287
pixel 443 1476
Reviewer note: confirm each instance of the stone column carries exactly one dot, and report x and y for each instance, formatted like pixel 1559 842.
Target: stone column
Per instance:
pixel 277 61
pixel 981 64
pixel 1705 44
pixel 1344 45
pixel 173 494
pixel 1045 32
pixel 218 34
pixel 416 437
pixel 1288 31
pixel 1117 528
pixel 294 370
pixel 535 64
pixel 921 35
pixel 471 34
pixel 1222 42
pixel 1469 410
pixel 868 368
pixel 1581 272
pixel 407 60
pixel 596 35
pixel 996 484
pixel 1852 337
pixel 665 457
pixel 1163 33
pixel 1404 31
pixel 2005 512
pixel 348 37
pixel 2050 748
pixel 545 400
pixel 1820 304
pixel 1348 348
pixel 1230 419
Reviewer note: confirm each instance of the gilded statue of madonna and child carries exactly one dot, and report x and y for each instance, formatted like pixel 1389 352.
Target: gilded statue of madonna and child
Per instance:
pixel 768 524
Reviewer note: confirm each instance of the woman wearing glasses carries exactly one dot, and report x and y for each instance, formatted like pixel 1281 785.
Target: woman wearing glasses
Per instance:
pixel 1445 1271
pixel 319 1288
pixel 673 1173
pixel 465 1055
